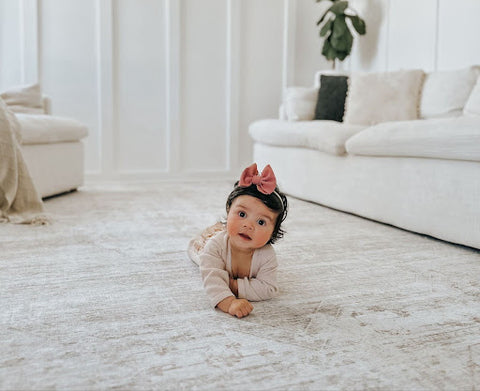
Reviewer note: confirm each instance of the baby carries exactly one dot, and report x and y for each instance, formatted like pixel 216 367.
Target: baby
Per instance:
pixel 237 261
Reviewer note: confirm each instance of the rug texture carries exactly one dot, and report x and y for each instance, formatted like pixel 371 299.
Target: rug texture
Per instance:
pixel 106 298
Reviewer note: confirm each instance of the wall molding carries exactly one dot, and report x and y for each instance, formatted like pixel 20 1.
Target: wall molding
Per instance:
pixel 22 33
pixel 437 34
pixel 39 41
pixel 30 57
pixel 289 36
pixel 106 85
pixel 172 93
pixel 233 16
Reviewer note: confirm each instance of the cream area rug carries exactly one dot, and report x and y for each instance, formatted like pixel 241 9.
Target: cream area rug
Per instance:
pixel 106 298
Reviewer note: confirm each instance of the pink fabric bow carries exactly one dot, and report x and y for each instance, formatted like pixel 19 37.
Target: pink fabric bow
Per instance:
pixel 266 182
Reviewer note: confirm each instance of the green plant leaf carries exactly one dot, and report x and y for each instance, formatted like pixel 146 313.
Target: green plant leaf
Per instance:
pixel 358 24
pixel 322 18
pixel 339 7
pixel 342 55
pixel 341 38
pixel 326 27
pixel 327 51
pixel 338 41
pixel 342 43
pixel 339 26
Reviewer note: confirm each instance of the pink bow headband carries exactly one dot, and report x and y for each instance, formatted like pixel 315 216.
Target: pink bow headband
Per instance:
pixel 266 182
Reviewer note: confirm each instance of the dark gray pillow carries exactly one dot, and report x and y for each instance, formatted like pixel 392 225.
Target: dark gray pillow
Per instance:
pixel 331 97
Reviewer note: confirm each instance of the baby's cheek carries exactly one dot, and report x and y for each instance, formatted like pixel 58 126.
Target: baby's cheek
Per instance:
pixel 266 235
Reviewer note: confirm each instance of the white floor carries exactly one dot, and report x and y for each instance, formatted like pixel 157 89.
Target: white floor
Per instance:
pixel 106 297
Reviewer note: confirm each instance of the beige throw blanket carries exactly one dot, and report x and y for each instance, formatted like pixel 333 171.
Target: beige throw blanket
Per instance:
pixel 19 200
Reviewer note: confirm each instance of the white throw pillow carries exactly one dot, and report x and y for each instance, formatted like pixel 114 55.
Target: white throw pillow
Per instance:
pixel 472 107
pixel 24 99
pixel 445 93
pixel 380 97
pixel 299 103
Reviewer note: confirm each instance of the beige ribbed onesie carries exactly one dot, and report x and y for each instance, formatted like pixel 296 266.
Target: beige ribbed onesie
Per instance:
pixel 216 268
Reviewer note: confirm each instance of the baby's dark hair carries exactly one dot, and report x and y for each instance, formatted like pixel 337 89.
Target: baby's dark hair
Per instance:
pixel 278 204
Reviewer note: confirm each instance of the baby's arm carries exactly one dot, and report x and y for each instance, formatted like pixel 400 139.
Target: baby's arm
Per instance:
pixel 264 285
pixel 233 286
pixel 216 282
pixel 215 278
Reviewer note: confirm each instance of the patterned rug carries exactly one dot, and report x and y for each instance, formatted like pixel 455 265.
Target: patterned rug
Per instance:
pixel 106 298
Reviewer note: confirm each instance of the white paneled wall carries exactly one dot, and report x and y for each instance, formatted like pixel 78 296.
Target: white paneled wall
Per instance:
pixel 259 67
pixel 308 48
pixel 169 87
pixel 140 137
pixel 68 64
pixel 427 34
pixel 412 44
pixel 203 90
pixel 10 37
pixel 458 33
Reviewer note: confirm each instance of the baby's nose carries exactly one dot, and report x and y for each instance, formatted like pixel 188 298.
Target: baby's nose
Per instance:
pixel 248 224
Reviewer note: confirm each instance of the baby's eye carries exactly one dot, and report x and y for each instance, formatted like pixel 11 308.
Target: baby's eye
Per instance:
pixel 242 214
pixel 261 222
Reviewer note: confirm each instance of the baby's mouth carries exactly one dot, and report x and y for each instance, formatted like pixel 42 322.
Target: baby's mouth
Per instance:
pixel 245 236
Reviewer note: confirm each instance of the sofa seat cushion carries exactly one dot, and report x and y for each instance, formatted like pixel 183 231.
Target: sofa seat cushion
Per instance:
pixel 47 129
pixel 326 136
pixel 455 138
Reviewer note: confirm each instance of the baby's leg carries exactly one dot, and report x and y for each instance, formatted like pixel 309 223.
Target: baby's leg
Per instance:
pixel 197 244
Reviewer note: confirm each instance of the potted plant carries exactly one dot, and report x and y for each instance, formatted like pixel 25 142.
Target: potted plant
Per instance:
pixel 336 26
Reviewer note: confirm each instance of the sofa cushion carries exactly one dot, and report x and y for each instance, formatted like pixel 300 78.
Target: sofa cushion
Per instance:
pixel 385 96
pixel 331 98
pixel 472 107
pixel 24 99
pixel 317 79
pixel 299 103
pixel 443 138
pixel 445 93
pixel 47 129
pixel 326 136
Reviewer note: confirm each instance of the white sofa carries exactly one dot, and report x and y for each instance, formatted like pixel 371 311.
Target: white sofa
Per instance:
pixel 51 146
pixel 420 174
pixel 53 150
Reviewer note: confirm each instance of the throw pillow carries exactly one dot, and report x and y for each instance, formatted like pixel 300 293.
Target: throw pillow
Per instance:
pixel 472 107
pixel 327 72
pixel 331 98
pixel 24 99
pixel 445 93
pixel 299 103
pixel 380 97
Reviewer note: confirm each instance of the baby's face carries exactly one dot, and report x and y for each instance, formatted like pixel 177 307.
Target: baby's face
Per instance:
pixel 250 223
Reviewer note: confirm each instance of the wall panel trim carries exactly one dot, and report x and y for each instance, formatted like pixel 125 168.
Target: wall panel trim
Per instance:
pixel 289 25
pixel 172 77
pixel 232 84
pixel 105 85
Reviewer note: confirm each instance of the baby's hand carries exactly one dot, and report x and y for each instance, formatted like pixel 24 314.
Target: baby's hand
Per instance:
pixel 240 308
